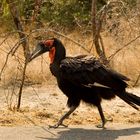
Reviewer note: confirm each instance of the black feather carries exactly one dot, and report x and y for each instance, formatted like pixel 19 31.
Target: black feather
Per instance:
pixel 76 77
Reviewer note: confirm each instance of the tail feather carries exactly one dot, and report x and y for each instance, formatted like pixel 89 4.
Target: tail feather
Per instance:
pixel 108 94
pixel 134 98
pixel 130 98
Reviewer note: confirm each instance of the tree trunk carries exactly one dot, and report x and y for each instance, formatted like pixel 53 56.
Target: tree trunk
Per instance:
pixel 93 11
pixel 96 28
pixel 15 14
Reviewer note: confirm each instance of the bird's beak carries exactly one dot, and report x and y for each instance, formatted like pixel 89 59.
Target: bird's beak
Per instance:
pixel 37 52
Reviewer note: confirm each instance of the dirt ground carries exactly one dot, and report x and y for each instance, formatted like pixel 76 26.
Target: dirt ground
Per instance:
pixel 44 105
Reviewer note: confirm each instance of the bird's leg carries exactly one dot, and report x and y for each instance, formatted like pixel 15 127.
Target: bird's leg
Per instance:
pixel 60 122
pixel 102 117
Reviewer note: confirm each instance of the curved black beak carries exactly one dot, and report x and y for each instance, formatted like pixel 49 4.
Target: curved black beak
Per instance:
pixel 40 49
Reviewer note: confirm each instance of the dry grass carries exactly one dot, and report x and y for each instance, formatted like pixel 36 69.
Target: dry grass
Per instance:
pixel 43 106
pixel 126 61
pixel 49 109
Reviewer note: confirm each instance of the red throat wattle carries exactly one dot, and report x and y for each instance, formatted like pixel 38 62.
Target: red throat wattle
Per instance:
pixel 52 51
pixel 52 54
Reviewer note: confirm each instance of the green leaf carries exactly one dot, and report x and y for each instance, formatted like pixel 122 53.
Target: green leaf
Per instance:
pixel 5 8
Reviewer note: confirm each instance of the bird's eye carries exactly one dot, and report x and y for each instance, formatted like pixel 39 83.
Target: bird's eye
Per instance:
pixel 49 43
pixel 42 45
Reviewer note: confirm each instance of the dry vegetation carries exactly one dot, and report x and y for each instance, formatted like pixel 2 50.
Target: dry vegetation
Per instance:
pixel 42 102
pixel 125 61
pixel 46 107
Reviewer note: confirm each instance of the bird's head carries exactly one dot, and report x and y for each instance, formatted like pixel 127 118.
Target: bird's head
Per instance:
pixel 53 46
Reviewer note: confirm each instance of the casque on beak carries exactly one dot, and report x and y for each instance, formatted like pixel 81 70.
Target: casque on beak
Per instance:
pixel 40 49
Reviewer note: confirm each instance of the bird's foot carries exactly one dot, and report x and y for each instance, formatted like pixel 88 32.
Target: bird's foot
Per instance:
pixel 57 125
pixel 110 119
pixel 100 126
pixel 103 124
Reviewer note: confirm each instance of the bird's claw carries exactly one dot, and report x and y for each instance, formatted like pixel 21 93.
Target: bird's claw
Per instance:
pixel 109 120
pixel 103 124
pixel 100 126
pixel 57 125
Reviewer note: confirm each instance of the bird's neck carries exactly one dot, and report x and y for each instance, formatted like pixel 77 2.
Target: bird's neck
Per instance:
pixel 55 69
pixel 57 54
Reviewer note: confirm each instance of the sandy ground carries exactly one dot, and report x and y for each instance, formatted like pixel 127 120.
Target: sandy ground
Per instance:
pixel 74 132
pixel 44 105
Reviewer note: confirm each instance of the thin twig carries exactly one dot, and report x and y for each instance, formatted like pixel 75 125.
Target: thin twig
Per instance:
pixel 126 45
pixel 102 44
pixel 137 80
pixel 4 40
pixel 16 46
pixel 61 34
pixel 21 86
pixel 6 61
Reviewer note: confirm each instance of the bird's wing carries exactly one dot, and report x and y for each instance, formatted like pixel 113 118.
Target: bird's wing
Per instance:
pixel 85 70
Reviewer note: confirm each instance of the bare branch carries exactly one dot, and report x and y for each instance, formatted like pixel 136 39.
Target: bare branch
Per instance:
pixel 6 61
pixel 16 18
pixel 97 20
pixel 4 40
pixel 126 45
pixel 102 45
pixel 21 86
pixel 61 34
pixel 137 80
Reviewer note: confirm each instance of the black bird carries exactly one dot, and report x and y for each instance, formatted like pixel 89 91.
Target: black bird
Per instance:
pixel 77 78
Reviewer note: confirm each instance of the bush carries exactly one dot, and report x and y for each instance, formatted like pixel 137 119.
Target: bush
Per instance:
pixel 66 13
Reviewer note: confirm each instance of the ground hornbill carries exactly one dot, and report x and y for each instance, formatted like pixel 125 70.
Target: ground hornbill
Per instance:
pixel 76 77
